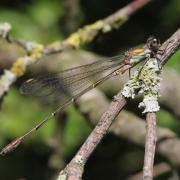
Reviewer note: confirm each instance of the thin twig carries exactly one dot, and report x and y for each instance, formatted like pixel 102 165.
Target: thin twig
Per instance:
pixel 168 50
pixel 149 146
pixel 159 169
pixel 89 32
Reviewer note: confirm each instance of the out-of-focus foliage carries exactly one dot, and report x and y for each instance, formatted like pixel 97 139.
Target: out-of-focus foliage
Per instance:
pixel 29 110
pixel 36 21
pixel 165 119
pixel 18 113
pixel 75 131
pixel 174 61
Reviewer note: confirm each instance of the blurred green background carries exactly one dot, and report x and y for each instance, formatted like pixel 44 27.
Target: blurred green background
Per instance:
pixel 46 21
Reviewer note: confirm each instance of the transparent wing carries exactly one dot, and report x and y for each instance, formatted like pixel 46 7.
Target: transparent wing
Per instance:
pixel 67 84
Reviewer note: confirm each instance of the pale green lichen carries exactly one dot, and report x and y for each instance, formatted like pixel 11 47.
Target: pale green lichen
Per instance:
pixel 114 24
pixel 121 20
pixel 4 29
pixel 76 161
pixel 34 48
pixel 145 81
pixel 35 52
pixel 106 28
pixel 85 34
pixel 6 79
pixel 79 160
pixel 149 104
pixel 62 175
pixel 18 67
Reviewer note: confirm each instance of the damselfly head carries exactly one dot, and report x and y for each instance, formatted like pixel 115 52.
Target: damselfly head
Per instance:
pixel 153 43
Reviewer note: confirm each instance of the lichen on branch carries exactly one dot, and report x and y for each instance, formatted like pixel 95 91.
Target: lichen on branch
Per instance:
pixel 145 81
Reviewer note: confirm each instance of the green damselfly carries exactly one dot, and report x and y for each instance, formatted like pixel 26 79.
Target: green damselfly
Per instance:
pixel 67 86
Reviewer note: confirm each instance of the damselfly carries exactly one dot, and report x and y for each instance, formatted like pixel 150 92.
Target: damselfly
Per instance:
pixel 67 86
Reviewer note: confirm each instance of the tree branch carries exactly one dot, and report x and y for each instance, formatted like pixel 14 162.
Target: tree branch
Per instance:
pixel 168 49
pixel 159 169
pixel 89 32
pixel 149 146
pixel 74 170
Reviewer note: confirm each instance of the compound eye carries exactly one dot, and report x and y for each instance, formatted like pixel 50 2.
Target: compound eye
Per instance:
pixel 155 43
pixel 154 40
